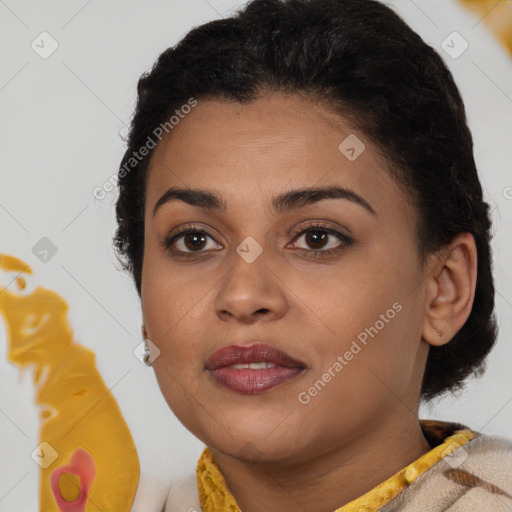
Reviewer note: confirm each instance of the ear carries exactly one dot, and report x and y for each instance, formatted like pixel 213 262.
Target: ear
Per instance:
pixel 450 290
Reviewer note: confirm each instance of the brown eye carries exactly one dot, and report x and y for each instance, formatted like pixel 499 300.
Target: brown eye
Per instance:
pixel 321 239
pixel 193 241
pixel 190 240
pixel 316 239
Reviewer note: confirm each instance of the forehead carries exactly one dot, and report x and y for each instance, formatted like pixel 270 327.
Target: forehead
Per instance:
pixel 250 152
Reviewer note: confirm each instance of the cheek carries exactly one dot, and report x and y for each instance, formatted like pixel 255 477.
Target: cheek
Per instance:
pixel 361 376
pixel 174 316
pixel 343 302
pixel 173 300
pixel 373 323
pixel 174 319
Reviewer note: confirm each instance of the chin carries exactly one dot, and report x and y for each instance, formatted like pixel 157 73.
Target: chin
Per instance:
pixel 257 450
pixel 251 443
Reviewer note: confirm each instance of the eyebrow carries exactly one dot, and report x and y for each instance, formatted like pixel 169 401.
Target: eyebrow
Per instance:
pixel 280 204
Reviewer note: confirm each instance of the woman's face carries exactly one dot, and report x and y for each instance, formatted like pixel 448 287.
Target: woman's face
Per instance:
pixel 344 301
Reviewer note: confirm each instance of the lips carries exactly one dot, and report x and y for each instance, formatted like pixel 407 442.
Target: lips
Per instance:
pixel 252 369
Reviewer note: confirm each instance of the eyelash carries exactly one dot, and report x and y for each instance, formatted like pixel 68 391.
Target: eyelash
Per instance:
pixel 310 228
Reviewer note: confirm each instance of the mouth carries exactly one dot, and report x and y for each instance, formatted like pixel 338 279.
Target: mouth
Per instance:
pixel 252 369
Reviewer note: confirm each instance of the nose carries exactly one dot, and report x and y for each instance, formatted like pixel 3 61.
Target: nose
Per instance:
pixel 251 292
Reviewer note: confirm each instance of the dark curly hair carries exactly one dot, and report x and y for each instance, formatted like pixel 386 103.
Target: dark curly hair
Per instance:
pixel 363 61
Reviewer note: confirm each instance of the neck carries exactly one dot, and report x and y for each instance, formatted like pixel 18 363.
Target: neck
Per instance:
pixel 329 480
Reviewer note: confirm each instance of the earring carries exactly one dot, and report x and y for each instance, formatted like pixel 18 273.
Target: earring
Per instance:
pixel 439 333
pixel 146 355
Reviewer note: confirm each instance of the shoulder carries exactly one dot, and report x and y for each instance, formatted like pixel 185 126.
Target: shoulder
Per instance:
pixel 155 495
pixel 476 476
pixel 183 495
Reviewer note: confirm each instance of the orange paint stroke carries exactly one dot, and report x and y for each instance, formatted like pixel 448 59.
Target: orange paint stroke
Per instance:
pixel 497 16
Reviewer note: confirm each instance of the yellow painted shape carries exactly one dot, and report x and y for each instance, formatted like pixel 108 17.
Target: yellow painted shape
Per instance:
pixel 69 486
pixel 76 406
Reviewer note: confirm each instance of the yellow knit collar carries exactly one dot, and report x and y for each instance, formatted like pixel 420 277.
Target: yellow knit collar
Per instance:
pixel 445 437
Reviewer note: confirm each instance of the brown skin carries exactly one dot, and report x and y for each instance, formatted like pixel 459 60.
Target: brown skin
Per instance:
pixel 275 453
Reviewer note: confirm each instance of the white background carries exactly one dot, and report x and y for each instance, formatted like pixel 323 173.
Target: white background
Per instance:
pixel 60 123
